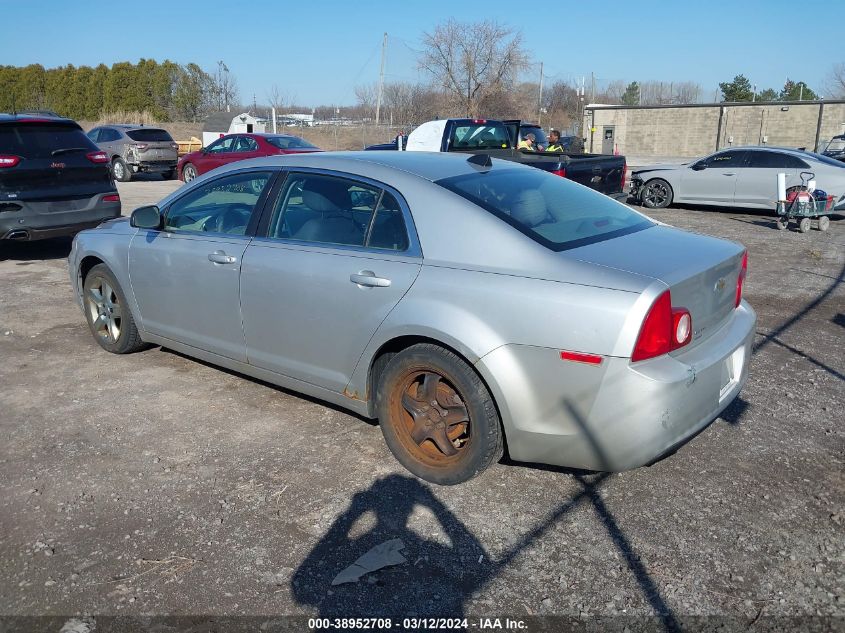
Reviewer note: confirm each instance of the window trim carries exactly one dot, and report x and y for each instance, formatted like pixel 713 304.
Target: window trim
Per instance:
pixel 414 249
pixel 257 211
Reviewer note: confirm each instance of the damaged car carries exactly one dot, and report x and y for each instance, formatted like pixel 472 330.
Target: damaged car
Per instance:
pixel 134 149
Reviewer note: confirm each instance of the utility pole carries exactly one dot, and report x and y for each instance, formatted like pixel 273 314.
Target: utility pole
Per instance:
pixel 540 96
pixel 592 87
pixel 381 78
pixel 800 91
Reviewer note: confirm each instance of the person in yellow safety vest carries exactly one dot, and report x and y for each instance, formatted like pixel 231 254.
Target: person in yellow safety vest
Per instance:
pixel 554 142
pixel 527 143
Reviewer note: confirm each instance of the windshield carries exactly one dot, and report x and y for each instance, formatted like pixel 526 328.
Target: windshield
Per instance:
pixel 487 135
pixel 551 210
pixel 150 135
pixel 290 142
pixel 836 145
pixel 41 140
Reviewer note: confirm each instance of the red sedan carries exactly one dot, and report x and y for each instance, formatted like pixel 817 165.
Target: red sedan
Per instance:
pixel 234 147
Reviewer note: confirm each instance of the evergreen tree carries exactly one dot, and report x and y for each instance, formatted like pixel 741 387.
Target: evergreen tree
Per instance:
pixel 737 90
pixel 631 96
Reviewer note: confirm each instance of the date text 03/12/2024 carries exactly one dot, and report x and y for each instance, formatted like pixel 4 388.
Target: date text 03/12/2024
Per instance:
pixel 424 624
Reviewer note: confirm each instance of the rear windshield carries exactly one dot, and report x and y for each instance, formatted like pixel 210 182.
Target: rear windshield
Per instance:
pixel 151 135
pixel 827 160
pixel 487 135
pixel 42 140
pixel 551 210
pixel 290 142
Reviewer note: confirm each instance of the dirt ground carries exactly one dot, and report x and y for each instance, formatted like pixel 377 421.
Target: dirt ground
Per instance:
pixel 152 484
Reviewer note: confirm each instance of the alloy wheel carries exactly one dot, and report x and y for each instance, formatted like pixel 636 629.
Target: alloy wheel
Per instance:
pixel 104 310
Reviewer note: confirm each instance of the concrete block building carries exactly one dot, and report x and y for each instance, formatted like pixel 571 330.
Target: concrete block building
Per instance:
pixel 700 129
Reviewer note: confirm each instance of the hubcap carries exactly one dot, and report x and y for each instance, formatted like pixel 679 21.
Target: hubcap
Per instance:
pixel 433 418
pixel 105 310
pixel 190 174
pixel 118 171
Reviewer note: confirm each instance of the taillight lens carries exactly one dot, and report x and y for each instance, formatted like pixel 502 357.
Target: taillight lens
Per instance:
pixel 140 146
pixel 9 161
pixel 97 157
pixel 112 197
pixel 664 329
pixel 743 271
pixel 559 172
pixel 175 146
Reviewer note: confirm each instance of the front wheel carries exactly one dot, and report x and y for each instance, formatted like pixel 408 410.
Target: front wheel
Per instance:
pixel 437 416
pixel 804 225
pixel 107 313
pixel 782 222
pixel 189 172
pixel 824 223
pixel 656 194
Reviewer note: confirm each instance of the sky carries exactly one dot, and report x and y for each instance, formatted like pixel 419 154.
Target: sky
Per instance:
pixel 317 51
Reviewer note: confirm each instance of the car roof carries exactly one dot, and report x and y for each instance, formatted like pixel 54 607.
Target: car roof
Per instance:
pixel 769 148
pixel 34 118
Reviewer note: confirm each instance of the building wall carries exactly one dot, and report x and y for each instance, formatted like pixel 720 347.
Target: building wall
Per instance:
pixel 694 131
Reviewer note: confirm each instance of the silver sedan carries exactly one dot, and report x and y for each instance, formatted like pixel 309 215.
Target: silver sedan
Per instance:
pixel 739 177
pixel 468 304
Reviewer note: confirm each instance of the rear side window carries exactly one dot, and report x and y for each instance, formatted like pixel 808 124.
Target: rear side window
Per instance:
pixel 289 142
pixel 150 135
pixel 775 160
pixel 549 209
pixel 42 140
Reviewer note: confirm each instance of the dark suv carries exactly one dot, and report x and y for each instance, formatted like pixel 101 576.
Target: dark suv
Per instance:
pixel 53 180
pixel 135 148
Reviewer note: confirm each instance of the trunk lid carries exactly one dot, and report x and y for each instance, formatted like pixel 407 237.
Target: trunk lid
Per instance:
pixel 153 144
pixel 701 271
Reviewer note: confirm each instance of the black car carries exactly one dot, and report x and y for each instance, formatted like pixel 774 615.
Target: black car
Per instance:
pixel 53 180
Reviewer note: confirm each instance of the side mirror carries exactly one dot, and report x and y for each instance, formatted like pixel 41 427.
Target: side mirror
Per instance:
pixel 148 217
pixel 698 167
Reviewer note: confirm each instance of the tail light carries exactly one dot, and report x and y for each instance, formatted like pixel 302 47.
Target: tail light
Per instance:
pixel 743 271
pixel 664 329
pixel 97 157
pixel 112 197
pixel 140 146
pixel 479 120
pixel 560 172
pixel 175 146
pixel 9 161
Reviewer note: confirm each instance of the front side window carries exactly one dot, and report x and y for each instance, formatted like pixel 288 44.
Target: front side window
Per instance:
pixel 549 209
pixel 224 205
pixel 730 159
pixel 330 210
pixel 222 145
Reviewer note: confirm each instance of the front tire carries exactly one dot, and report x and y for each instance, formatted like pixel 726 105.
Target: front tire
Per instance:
pixel 120 170
pixel 107 313
pixel 437 416
pixel 168 175
pixel 657 194
pixel 189 172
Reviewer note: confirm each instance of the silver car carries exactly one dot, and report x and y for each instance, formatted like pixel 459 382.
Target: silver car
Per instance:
pixel 738 177
pixel 468 304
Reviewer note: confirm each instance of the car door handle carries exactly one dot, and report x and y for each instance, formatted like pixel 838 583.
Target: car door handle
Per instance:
pixel 219 257
pixel 368 278
pixel 728 173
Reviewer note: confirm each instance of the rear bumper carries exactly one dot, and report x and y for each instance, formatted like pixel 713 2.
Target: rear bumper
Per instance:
pixel 618 415
pixel 156 166
pixel 42 220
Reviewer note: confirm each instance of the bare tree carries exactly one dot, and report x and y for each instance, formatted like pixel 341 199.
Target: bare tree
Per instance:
pixel 367 94
pixel 473 61
pixel 277 99
pixel 834 86
pixel 224 88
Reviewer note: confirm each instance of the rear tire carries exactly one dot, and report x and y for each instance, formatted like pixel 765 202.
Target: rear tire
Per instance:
pixel 824 223
pixel 804 225
pixel 168 175
pixel 120 170
pixel 656 194
pixel 437 416
pixel 782 223
pixel 189 172
pixel 108 314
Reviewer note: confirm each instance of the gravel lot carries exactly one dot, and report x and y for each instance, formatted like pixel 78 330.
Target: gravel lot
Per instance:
pixel 155 484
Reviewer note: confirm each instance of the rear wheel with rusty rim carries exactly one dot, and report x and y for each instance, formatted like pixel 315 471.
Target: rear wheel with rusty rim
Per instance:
pixel 107 313
pixel 437 416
